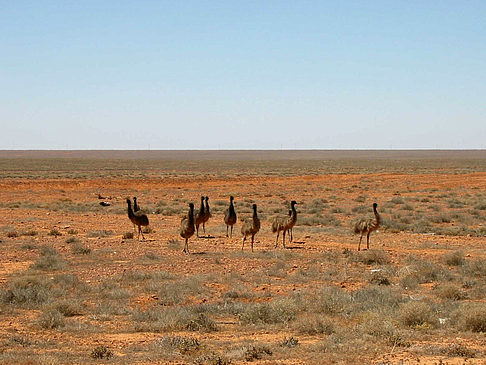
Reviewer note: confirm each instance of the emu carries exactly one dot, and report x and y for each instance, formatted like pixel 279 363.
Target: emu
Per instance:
pixel 207 214
pixel 187 227
pixel 230 216
pixel 366 226
pixel 250 227
pixel 138 218
pixel 284 223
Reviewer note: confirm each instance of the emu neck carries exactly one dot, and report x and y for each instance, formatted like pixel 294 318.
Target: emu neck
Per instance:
pixel 294 213
pixel 201 210
pixel 377 216
pixel 231 208
pixel 130 211
pixel 190 216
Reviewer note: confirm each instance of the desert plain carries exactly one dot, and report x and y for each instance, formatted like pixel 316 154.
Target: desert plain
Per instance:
pixel 77 288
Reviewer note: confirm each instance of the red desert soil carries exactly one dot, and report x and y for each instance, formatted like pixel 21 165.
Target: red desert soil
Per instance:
pixel 40 209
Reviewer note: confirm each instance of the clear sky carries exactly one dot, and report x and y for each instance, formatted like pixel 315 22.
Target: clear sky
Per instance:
pixel 242 74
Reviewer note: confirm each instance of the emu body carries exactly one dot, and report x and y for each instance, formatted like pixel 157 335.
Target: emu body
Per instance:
pixel 207 214
pixel 285 223
pixel 250 227
pixel 138 219
pixel 230 217
pixel 366 226
pixel 187 227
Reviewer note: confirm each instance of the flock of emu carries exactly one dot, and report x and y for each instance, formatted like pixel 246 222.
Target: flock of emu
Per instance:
pixel 282 223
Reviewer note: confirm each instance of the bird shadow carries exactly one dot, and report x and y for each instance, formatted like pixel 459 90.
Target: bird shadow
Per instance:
pixel 299 242
pixel 294 247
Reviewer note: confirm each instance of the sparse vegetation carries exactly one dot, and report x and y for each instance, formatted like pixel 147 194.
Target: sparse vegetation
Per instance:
pixel 101 352
pixel 418 293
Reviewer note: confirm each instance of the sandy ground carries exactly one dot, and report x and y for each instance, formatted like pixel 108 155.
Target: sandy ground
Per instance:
pixel 120 255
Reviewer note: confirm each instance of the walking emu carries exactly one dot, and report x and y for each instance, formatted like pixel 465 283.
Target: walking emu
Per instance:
pixel 138 218
pixel 187 226
pixel 284 223
pixel 230 216
pixel 251 227
pixel 366 226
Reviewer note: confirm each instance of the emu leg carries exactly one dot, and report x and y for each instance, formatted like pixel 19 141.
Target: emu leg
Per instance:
pixel 231 235
pixel 368 240
pixel 359 245
pixel 186 247
pixel 244 239
pixel 227 230
pixel 276 241
pixel 284 239
pixel 252 240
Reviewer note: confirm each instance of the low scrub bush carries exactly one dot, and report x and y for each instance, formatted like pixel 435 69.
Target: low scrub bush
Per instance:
pixel 179 344
pixel 314 324
pixel 417 314
pixel 101 352
pixel 454 258
pixel 29 291
pixel 277 311
pixel 51 319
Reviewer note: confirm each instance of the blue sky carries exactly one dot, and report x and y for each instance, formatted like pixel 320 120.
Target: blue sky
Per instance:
pixel 242 74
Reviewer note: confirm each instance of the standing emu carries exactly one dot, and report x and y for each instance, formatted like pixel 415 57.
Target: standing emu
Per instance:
pixel 366 226
pixel 284 223
pixel 207 214
pixel 199 216
pixel 136 208
pixel 230 216
pixel 187 226
pixel 138 218
pixel 251 228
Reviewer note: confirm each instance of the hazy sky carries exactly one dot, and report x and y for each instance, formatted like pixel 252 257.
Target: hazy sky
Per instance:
pixel 242 74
